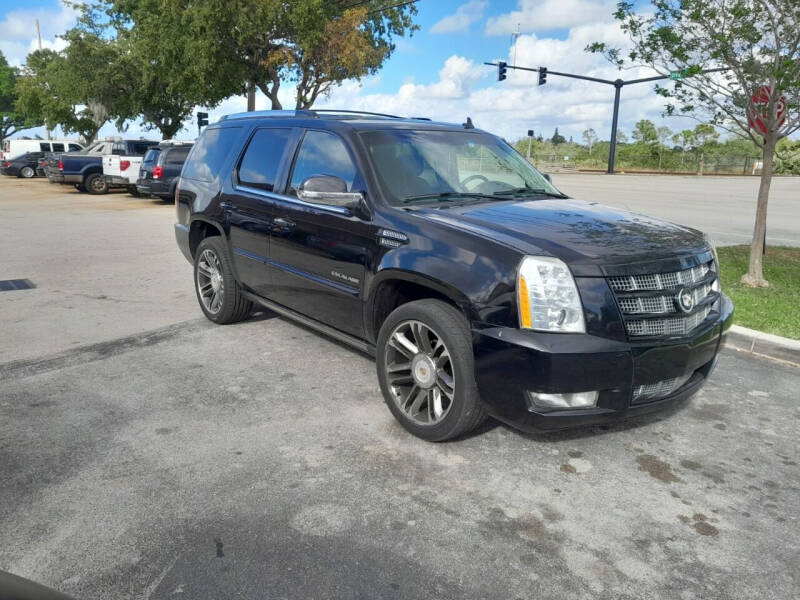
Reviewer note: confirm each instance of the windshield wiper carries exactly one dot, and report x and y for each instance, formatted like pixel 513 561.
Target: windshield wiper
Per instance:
pixel 445 196
pixel 528 191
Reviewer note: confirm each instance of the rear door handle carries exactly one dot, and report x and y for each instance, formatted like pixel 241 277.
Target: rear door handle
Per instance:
pixel 284 223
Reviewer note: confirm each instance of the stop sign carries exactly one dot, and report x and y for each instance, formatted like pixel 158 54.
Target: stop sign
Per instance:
pixel 758 117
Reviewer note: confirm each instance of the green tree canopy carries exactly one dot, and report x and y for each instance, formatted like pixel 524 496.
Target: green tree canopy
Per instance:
pixel 11 120
pixel 645 132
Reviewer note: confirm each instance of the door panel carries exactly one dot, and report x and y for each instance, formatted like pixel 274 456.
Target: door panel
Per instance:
pixel 249 206
pixel 317 261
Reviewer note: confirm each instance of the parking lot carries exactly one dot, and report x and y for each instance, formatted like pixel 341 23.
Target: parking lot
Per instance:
pixel 148 454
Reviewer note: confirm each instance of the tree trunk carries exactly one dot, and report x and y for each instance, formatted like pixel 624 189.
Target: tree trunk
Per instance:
pixel 251 97
pixel 755 273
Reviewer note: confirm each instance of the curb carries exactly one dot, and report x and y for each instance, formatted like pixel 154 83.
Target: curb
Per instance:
pixel 763 344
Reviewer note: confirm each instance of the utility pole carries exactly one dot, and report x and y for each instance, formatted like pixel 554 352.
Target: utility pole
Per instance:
pixel 618 85
pixel 39 37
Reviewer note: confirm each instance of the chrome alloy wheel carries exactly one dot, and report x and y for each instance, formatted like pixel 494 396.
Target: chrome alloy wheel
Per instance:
pixel 209 281
pixel 419 372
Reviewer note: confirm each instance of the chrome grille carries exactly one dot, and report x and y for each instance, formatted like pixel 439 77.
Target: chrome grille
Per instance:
pixel 659 389
pixel 642 311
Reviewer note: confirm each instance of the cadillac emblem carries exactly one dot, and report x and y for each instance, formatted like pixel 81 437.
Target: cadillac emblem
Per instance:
pixel 685 300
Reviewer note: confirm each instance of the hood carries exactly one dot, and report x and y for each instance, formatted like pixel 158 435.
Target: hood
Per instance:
pixel 575 231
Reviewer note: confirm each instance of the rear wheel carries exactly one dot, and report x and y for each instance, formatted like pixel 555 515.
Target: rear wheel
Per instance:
pixel 426 370
pixel 95 183
pixel 27 172
pixel 218 292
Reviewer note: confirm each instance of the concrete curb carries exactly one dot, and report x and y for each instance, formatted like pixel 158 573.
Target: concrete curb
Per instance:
pixel 763 344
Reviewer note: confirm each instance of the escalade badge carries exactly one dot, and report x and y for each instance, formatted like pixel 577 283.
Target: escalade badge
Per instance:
pixel 685 300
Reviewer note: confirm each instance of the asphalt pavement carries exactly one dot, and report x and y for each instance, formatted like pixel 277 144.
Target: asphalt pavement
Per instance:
pixel 146 453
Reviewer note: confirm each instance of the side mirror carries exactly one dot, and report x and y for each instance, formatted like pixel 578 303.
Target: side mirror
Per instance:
pixel 547 176
pixel 329 189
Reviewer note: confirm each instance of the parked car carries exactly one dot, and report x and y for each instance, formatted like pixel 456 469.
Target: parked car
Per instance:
pixel 160 169
pixel 25 165
pixel 478 286
pixel 52 160
pixel 18 147
pixel 85 171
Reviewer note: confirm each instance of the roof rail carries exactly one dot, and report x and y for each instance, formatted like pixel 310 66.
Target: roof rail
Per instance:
pixel 269 113
pixel 354 112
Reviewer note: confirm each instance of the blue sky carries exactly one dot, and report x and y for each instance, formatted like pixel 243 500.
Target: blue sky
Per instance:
pixel 438 72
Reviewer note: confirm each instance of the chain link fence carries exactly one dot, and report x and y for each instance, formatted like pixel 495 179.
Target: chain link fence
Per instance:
pixel 684 163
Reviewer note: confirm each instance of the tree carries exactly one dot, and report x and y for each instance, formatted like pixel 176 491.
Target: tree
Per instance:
pixel 645 132
pixel 621 137
pixel 223 47
pixel 590 137
pixel 663 134
pixel 557 138
pixel 686 139
pixel 757 44
pixel 11 120
pixel 705 134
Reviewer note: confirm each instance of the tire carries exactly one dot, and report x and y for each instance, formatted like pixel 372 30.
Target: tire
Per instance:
pixel 134 192
pixel 95 184
pixel 26 172
pixel 79 187
pixel 226 303
pixel 421 380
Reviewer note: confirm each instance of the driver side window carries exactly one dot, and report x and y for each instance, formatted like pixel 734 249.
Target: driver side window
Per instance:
pixel 322 153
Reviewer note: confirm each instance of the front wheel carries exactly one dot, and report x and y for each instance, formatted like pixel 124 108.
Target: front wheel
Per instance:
pixel 27 172
pixel 218 292
pixel 426 370
pixel 95 183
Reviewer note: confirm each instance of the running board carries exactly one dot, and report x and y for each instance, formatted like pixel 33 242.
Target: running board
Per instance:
pixel 327 330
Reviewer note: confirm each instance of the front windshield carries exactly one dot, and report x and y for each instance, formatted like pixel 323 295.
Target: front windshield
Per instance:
pixel 435 166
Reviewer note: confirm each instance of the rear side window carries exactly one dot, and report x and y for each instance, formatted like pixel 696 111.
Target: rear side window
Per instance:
pixel 58 147
pixel 210 153
pixel 139 148
pixel 322 153
pixel 177 156
pixel 44 146
pixel 74 148
pixel 151 157
pixel 261 160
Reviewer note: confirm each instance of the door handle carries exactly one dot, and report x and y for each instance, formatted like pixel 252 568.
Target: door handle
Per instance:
pixel 283 223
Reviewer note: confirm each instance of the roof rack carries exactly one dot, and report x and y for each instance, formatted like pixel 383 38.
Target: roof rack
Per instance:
pixel 310 113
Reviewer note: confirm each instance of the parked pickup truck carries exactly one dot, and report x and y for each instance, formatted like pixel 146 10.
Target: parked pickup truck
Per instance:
pixel 53 160
pixel 122 171
pixel 85 171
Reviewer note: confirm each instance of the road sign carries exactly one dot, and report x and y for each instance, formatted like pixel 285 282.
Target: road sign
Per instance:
pixel 675 75
pixel 758 118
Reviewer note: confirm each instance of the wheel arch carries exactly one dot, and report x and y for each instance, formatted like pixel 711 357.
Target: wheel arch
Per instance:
pixel 200 229
pixel 393 287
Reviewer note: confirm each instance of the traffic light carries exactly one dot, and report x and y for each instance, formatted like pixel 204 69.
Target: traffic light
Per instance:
pixel 202 119
pixel 501 71
pixel 542 75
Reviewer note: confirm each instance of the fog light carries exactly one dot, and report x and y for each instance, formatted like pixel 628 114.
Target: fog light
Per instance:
pixel 540 401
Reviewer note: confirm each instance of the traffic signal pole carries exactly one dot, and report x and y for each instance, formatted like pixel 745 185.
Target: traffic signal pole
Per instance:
pixel 617 83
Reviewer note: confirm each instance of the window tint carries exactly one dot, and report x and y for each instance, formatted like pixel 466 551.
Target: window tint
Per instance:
pixel 139 148
pixel 210 152
pixel 322 153
pixel 151 157
pixel 58 147
pixel 74 148
pixel 44 146
pixel 259 167
pixel 177 156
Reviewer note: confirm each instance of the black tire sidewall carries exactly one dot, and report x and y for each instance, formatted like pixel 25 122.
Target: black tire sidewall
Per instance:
pixel 231 310
pixel 87 184
pixel 453 328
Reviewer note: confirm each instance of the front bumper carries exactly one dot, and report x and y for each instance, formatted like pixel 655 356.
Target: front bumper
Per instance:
pixel 511 362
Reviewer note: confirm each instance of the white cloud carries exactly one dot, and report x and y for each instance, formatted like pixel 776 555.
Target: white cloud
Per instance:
pixel 544 15
pixel 18 30
pixel 465 15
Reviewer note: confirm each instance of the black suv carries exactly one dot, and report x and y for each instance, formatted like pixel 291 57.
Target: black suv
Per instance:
pixel 160 169
pixel 477 285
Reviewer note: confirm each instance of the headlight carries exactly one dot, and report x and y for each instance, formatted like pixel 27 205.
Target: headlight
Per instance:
pixel 547 297
pixel 716 286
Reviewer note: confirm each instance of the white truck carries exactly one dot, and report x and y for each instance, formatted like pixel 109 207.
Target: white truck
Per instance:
pixel 121 167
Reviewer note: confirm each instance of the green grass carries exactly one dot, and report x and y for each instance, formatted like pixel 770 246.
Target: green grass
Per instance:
pixel 775 309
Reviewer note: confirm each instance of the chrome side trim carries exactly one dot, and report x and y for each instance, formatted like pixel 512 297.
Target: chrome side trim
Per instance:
pixel 278 197
pixel 345 338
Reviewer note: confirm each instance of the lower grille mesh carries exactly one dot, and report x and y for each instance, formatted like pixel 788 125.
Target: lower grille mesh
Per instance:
pixel 671 326
pixel 660 389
